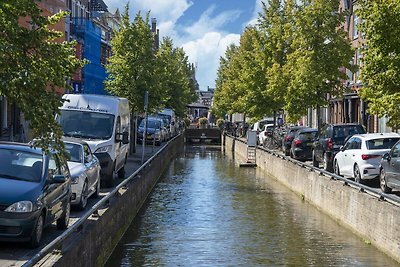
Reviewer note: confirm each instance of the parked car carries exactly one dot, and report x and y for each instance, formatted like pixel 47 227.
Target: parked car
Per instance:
pixel 331 137
pixel 361 155
pixel 389 169
pixel 288 138
pixel 155 131
pixel 302 144
pixel 35 191
pixel 258 126
pixel 85 172
pixel 265 133
pixel 102 121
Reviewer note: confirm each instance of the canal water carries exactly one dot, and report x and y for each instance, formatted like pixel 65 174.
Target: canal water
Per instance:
pixel 206 211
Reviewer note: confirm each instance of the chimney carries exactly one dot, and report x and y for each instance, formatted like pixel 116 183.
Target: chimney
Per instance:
pixel 153 25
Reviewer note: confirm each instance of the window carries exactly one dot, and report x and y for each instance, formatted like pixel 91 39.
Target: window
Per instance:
pixel 355 26
pixel 87 152
pixel 356 143
pixel 54 165
pixel 349 144
pixel 396 151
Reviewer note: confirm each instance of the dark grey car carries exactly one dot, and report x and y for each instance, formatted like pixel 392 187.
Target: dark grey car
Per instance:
pixel 302 144
pixel 35 191
pixel 331 137
pixel 389 174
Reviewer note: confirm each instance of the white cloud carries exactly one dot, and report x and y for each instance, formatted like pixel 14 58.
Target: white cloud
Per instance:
pixel 257 9
pixel 208 23
pixel 205 53
pixel 204 41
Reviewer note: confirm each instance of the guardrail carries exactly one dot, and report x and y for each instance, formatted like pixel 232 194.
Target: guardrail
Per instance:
pixel 362 188
pixel 93 210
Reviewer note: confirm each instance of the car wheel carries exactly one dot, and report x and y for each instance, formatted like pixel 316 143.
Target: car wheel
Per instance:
pixel 315 163
pixel 84 196
pixel 121 173
pixel 97 192
pixel 327 164
pixel 112 177
pixel 357 174
pixel 37 232
pixel 382 177
pixel 337 170
pixel 62 223
pixel 287 153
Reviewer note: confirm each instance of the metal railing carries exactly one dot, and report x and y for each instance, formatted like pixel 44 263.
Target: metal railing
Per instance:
pixel 393 199
pixel 93 210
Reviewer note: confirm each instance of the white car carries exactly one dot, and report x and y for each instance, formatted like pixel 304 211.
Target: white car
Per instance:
pixel 265 133
pixel 361 155
pixel 85 172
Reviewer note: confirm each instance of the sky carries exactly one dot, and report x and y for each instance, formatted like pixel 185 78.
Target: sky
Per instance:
pixel 204 28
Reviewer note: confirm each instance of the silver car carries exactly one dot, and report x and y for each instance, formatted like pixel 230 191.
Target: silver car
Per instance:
pixel 85 172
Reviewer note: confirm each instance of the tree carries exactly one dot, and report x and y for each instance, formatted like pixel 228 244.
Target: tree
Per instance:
pixel 174 72
pixel 319 49
pixel 132 66
pixel 380 70
pixel 33 66
pixel 225 91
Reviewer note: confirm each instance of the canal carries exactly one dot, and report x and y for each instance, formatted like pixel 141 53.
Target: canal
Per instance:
pixel 206 211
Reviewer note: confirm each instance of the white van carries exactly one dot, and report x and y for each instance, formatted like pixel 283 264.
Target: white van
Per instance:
pixel 169 115
pixel 104 123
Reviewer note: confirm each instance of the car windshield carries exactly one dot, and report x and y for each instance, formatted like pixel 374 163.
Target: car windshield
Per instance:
pixel 382 143
pixel 152 124
pixel 262 123
pixel 83 124
pixel 166 118
pixel 74 151
pixel 20 165
pixel 341 132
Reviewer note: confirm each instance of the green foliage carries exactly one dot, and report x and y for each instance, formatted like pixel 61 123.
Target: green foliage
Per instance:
pixel 131 67
pixel 187 122
pixel 203 121
pixel 220 123
pixel 380 70
pixel 319 49
pixel 174 71
pixel 33 65
pixel 291 60
pixel 136 66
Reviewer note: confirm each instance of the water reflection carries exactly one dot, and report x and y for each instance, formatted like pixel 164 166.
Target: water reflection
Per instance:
pixel 208 212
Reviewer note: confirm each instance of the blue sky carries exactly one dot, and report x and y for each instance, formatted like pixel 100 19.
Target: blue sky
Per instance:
pixel 204 28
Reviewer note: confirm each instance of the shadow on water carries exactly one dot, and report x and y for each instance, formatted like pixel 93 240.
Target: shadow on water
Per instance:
pixel 206 211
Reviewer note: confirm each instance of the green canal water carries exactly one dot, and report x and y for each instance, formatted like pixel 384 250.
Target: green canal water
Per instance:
pixel 206 211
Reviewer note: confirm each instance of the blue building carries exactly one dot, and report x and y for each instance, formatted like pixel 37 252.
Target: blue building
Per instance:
pixel 93 75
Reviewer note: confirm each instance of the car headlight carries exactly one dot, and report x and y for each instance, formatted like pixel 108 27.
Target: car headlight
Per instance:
pixel 21 206
pixel 75 179
pixel 103 149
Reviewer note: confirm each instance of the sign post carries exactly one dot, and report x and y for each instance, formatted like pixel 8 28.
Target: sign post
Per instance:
pixel 146 102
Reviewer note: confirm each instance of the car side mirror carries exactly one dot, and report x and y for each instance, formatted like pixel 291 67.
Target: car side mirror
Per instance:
pixel 386 156
pixel 88 159
pixel 122 137
pixel 58 179
pixel 125 138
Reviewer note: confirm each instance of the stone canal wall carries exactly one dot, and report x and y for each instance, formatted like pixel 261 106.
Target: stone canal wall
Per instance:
pixel 376 221
pixel 95 242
